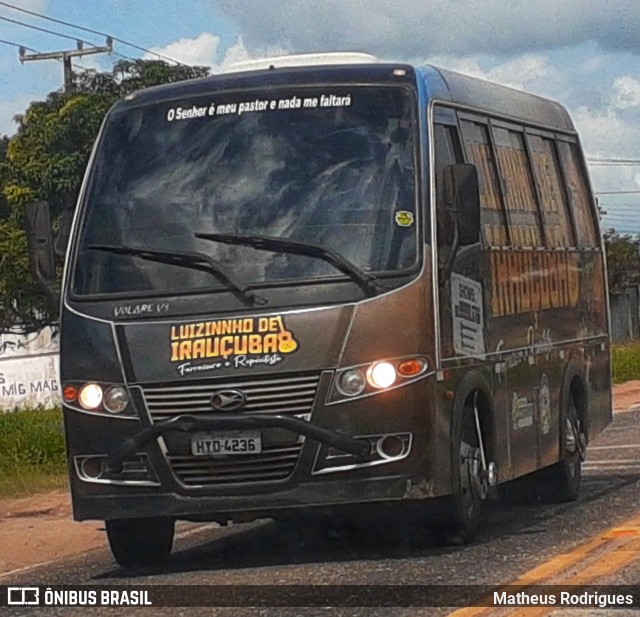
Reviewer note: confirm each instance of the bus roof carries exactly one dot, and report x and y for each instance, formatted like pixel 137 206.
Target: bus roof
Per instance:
pixel 441 84
pixel 445 85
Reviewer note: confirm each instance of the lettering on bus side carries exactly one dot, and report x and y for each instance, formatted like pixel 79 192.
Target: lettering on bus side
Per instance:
pixel 237 343
pixel 525 281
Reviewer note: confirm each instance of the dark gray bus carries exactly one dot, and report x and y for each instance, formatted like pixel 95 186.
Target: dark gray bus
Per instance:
pixel 324 287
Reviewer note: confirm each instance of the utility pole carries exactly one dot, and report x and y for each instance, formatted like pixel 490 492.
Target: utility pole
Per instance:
pixel 66 56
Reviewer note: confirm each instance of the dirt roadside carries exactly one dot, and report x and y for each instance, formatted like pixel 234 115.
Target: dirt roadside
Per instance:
pixel 39 529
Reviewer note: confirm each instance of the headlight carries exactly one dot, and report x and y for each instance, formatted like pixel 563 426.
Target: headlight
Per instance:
pixel 351 382
pixel 381 375
pixel 90 396
pixel 377 377
pixel 116 399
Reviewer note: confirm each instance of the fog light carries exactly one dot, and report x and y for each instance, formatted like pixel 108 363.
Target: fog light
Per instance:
pixel 92 467
pixel 116 399
pixel 90 396
pixel 381 375
pixel 351 382
pixel 390 446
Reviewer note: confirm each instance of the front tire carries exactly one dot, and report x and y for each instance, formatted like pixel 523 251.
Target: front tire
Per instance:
pixel 465 505
pixel 140 542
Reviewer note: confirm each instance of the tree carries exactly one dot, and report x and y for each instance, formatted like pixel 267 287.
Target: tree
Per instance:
pixel 45 160
pixel 4 144
pixel 623 260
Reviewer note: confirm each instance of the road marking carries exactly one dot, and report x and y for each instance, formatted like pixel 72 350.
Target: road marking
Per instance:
pixel 25 569
pixel 593 448
pixel 607 553
pixel 183 534
pixel 615 461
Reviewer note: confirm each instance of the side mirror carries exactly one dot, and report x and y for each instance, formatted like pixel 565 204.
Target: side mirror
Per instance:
pixel 462 196
pixel 40 241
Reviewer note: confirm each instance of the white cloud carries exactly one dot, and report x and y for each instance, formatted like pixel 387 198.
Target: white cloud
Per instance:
pixel 626 92
pixel 204 50
pixel 416 27
pixel 201 50
pixel 521 72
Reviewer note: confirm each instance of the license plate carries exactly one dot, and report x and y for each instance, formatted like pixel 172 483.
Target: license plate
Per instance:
pixel 225 444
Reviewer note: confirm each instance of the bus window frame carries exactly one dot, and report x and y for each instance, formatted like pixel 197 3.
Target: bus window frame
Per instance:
pixel 422 211
pixel 591 209
pixel 486 122
pixel 556 136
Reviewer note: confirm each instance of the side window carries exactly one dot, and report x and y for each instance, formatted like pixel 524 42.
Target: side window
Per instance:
pixel 555 215
pixel 447 152
pixel 520 197
pixel 478 147
pixel 579 196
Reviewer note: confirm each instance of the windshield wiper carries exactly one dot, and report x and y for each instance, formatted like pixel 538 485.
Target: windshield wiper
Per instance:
pixel 192 260
pixel 366 282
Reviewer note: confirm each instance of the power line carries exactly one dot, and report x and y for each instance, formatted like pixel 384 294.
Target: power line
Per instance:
pixel 617 192
pixel 19 46
pixel 65 57
pixel 22 23
pixel 64 36
pixel 595 161
pixel 622 208
pixel 71 25
pixel 36 51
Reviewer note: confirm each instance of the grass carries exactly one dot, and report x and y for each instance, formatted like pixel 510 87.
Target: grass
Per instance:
pixel 32 451
pixel 626 361
pixel 32 447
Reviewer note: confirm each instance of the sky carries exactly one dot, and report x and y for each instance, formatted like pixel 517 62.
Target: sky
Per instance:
pixel 583 53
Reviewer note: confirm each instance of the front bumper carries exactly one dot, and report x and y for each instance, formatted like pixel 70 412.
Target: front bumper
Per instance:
pixel 332 468
pixel 327 494
pixel 360 448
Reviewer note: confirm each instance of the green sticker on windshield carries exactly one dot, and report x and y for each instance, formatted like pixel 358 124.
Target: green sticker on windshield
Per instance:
pixel 404 218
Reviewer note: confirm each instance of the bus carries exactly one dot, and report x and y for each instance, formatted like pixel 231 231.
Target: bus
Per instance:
pixel 326 282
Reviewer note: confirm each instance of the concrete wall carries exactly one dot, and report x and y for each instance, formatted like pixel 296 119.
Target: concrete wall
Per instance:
pixel 625 314
pixel 29 374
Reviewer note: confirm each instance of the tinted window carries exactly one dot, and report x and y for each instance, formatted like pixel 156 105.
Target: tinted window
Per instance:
pixel 579 195
pixel 520 198
pixel 557 224
pixel 332 167
pixel 479 153
pixel 447 152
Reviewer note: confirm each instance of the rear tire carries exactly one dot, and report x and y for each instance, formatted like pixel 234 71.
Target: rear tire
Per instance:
pixel 140 542
pixel 564 478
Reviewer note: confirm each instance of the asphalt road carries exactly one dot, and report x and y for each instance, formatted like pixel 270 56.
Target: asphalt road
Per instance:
pixel 595 540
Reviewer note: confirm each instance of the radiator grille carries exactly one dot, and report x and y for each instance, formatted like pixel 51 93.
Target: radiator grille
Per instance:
pixel 287 395
pixel 275 463
pixel 291 395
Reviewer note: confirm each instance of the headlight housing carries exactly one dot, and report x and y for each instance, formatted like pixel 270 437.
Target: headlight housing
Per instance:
pixel 381 375
pixel 100 398
pixel 375 377
pixel 116 399
pixel 351 382
pixel 90 396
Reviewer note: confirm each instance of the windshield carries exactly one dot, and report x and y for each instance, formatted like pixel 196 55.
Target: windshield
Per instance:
pixel 332 167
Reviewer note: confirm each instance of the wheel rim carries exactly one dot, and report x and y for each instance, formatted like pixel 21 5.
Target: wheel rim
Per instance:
pixel 572 433
pixel 471 487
